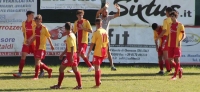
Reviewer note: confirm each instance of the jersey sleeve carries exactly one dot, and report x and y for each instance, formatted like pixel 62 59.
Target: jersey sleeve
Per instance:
pixel 164 25
pixel 71 42
pixel 46 32
pixel 182 28
pixel 94 37
pixel 75 27
pixel 23 27
pixel 88 25
pixel 155 34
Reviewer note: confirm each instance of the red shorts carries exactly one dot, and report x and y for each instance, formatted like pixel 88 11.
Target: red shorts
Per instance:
pixel 164 44
pixel 40 54
pixel 28 49
pixel 97 60
pixel 66 61
pixel 160 51
pixel 82 48
pixel 174 52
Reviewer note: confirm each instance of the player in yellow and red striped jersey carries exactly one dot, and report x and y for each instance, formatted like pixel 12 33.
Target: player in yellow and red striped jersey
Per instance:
pixel 100 38
pixel 165 34
pixel 70 59
pixel 82 27
pixel 176 36
pixel 28 29
pixel 41 35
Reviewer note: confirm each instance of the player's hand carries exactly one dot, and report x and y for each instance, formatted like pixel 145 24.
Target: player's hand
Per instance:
pixel 106 5
pixel 61 57
pixel 71 60
pixel 157 49
pixel 117 6
pixel 52 47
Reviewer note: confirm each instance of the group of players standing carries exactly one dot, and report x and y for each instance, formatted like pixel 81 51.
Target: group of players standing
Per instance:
pixel 36 34
pixel 170 35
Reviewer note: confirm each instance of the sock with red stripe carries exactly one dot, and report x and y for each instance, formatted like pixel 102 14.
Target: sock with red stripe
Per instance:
pixel 21 65
pixel 43 66
pixel 78 78
pixel 97 77
pixel 167 64
pixel 177 67
pixel 161 65
pixel 37 69
pixel 60 78
pixel 87 62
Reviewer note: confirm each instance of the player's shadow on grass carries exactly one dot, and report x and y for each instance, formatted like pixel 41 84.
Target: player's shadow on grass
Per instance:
pixel 32 89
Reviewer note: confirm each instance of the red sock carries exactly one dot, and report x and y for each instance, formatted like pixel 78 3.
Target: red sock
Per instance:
pixel 97 77
pixel 161 65
pixel 167 64
pixel 87 62
pixel 60 78
pixel 174 65
pixel 43 66
pixel 78 78
pixel 21 65
pixel 78 60
pixel 37 69
pixel 177 67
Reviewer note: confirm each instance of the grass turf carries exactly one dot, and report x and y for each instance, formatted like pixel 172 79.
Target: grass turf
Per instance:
pixel 125 79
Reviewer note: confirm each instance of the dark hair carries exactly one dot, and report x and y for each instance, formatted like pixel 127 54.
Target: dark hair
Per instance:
pixel 29 12
pixel 68 26
pixel 98 20
pixel 79 12
pixel 154 26
pixel 38 17
pixel 169 9
pixel 174 13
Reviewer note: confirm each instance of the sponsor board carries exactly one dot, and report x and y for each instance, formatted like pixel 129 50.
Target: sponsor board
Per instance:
pixel 70 4
pixel 146 12
pixel 127 44
pixel 14 11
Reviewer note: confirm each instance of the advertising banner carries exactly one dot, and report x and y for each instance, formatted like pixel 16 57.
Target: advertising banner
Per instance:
pixel 71 4
pixel 146 12
pixel 127 44
pixel 14 11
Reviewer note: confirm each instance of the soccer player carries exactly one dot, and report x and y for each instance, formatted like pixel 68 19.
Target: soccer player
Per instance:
pixel 100 38
pixel 176 36
pixel 157 30
pixel 82 27
pixel 106 22
pixel 41 34
pixel 70 59
pixel 28 29
pixel 165 34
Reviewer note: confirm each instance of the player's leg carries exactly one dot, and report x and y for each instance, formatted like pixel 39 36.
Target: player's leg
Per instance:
pixel 37 67
pixel 160 61
pixel 111 60
pixel 78 77
pixel 60 78
pixel 167 63
pixel 97 62
pixel 82 51
pixel 45 67
pixel 177 60
pixel 25 51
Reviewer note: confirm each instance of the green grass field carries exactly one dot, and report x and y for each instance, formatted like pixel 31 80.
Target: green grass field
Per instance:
pixel 125 79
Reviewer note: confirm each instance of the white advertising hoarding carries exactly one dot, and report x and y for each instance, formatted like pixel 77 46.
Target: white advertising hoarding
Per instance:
pixel 14 11
pixel 146 12
pixel 128 44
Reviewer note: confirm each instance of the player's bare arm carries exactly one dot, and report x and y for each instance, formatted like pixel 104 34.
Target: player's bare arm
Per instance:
pixel 63 53
pixel 90 49
pixel 156 43
pixel 72 54
pixel 102 9
pixel 30 40
pixel 118 11
pixel 85 29
pixel 50 42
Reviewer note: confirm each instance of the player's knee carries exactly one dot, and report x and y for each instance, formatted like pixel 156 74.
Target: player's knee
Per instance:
pixel 75 69
pixel 23 55
pixel 61 69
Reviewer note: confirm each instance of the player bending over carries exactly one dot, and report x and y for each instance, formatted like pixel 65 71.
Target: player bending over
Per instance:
pixel 100 38
pixel 70 59
pixel 157 30
pixel 164 35
pixel 176 36
pixel 82 27
pixel 41 34
pixel 103 14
